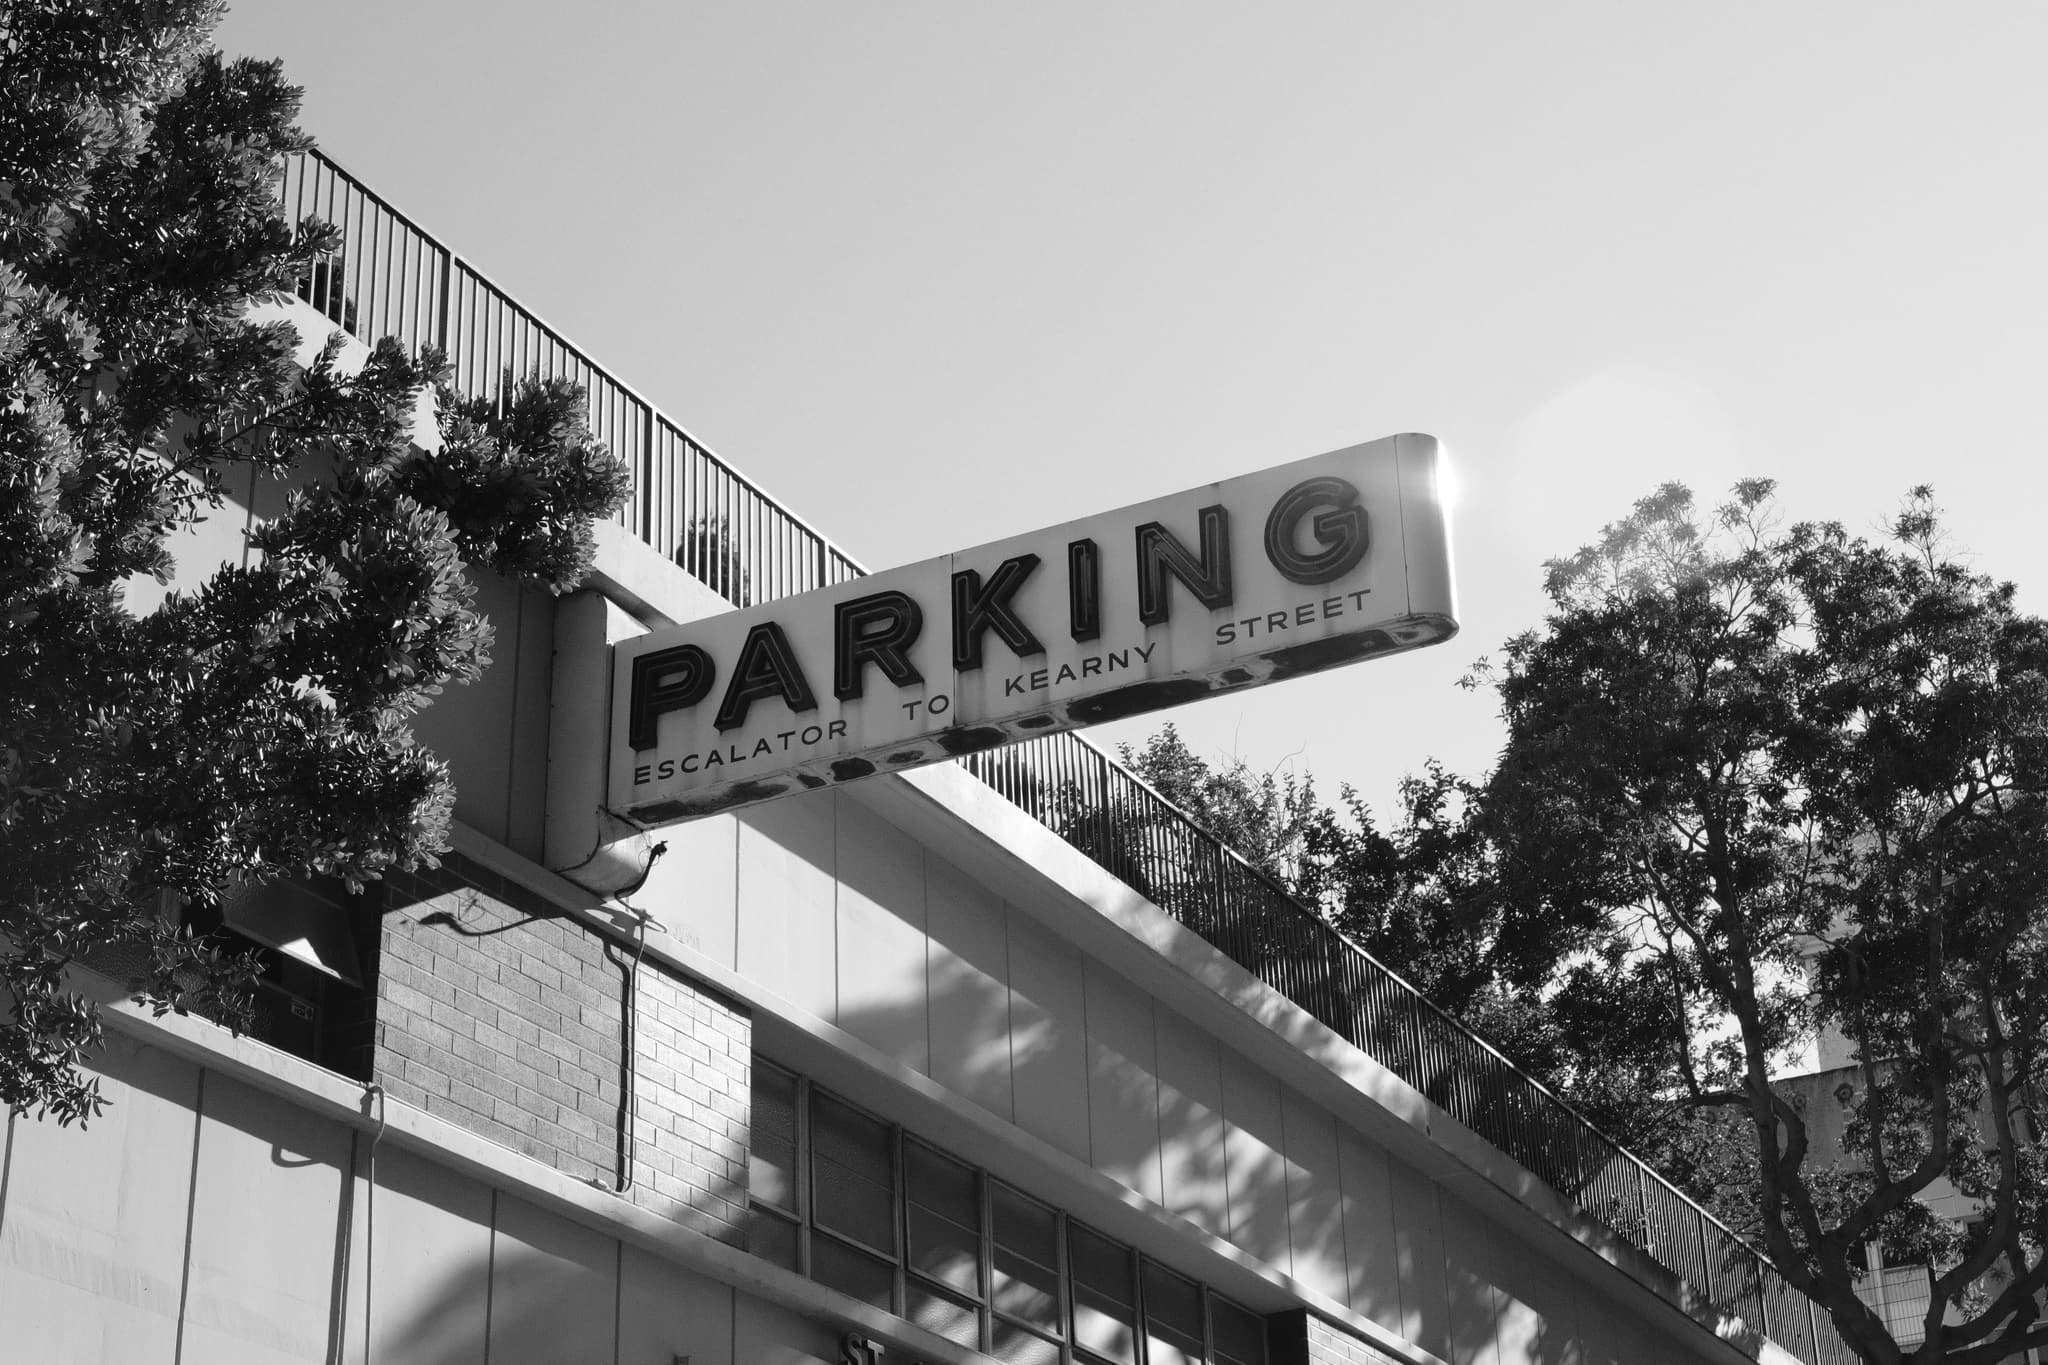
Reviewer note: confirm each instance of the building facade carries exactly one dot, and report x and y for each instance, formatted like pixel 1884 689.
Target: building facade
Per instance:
pixel 990 1061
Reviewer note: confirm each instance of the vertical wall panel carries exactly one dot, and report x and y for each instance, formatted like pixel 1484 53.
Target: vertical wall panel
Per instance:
pixel 92 1238
pixel 666 1312
pixel 1315 1204
pixel 1419 1243
pixel 554 1289
pixel 1476 1307
pixel 1192 1176
pixel 422 1245
pixel 1598 1339
pixel 786 894
pixel 881 935
pixel 1254 1147
pixel 1372 1261
pixel 534 666
pixel 266 1222
pixel 1123 1081
pixel 1539 1305
pixel 1048 1037
pixel 968 980
pixel 694 887
pixel 472 727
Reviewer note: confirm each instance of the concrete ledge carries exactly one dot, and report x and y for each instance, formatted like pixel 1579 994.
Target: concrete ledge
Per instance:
pixel 651 586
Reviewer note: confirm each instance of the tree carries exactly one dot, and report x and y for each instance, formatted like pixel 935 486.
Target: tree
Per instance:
pixel 1419 896
pixel 255 727
pixel 1774 780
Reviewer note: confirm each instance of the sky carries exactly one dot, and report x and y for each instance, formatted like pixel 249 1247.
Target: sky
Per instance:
pixel 935 274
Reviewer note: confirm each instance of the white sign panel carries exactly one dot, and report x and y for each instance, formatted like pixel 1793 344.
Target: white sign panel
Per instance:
pixel 1254 580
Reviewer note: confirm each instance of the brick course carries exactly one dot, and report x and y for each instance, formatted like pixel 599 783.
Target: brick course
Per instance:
pixel 501 1013
pixel 1328 1344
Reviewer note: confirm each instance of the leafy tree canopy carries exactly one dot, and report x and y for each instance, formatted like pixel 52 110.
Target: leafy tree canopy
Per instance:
pixel 253 727
pixel 1757 783
pixel 1787 780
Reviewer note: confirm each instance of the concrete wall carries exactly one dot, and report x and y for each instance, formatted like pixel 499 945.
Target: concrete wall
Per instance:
pixel 204 1220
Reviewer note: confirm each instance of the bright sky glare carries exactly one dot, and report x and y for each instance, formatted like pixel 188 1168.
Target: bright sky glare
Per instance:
pixel 936 273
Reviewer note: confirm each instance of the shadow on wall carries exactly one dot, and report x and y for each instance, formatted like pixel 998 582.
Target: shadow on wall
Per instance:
pixel 1223 1146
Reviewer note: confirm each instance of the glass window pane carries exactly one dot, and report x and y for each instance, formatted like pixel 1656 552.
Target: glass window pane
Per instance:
pixel 1240 1336
pixel 774 1113
pixel 852 1272
pixel 1171 1350
pixel 1173 1317
pixel 771 1238
pixel 945 1251
pixel 1018 1347
pixel 948 1315
pixel 1104 1266
pixel 1105 1312
pixel 1026 1290
pixel 854 1207
pixel 771 1155
pixel 941 1184
pixel 1026 1282
pixel 1024 1225
pixel 1103 1329
pixel 849 1138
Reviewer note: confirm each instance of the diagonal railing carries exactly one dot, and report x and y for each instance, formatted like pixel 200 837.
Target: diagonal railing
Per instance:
pixel 388 277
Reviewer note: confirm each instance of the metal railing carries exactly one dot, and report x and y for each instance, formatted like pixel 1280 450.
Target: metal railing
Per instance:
pixel 388 277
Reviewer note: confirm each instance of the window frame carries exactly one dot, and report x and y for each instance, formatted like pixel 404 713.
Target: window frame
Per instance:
pixel 905 1276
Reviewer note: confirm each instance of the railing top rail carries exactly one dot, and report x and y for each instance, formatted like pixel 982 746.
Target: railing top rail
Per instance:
pixel 456 259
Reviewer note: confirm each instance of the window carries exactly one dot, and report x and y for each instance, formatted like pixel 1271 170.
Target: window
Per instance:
pixel 773 1216
pixel 316 944
pixel 856 1203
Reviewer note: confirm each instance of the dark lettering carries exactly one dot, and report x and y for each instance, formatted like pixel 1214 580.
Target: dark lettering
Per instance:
pixel 812 734
pixel 1338 528
pixel 1145 651
pixel 940 704
pixel 1084 590
pixel 1160 554
pixel 1305 614
pixel 1275 620
pixel 978 607
pixel 879 629
pixel 1013 686
pixel 714 759
pixel 1066 674
pixel 666 680
pixel 1332 606
pixel 761 746
pixel 1038 680
pixel 665 769
pixel 1251 626
pixel 767 667
pixel 689 764
pixel 1091 666
pixel 1226 633
pixel 1358 598
pixel 1119 658
pixel 836 729
pixel 640 776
